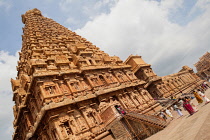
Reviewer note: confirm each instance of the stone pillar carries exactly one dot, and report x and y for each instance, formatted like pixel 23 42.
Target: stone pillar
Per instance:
pixel 58 130
pixel 57 88
pixel 28 121
pixel 88 77
pixel 159 89
pixel 145 100
pixel 105 78
pixel 139 97
pixel 133 99
pixel 120 98
pixel 128 100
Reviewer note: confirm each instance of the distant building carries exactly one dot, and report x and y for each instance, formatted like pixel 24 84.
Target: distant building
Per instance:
pixel 68 89
pixel 203 66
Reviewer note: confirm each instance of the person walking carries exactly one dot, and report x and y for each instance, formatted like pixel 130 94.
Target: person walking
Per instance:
pixel 178 110
pixel 187 106
pixel 203 96
pixel 198 98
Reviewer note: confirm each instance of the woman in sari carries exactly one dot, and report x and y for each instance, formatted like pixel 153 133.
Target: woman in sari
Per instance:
pixel 198 98
pixel 187 106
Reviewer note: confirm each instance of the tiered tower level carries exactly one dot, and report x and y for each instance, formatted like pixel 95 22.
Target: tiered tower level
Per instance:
pixel 203 66
pixel 64 83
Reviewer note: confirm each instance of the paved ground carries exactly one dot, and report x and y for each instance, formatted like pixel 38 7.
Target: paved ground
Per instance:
pixel 195 127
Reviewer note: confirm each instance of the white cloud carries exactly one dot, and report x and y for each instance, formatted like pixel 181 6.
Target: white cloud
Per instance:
pixel 7 71
pixel 171 4
pixel 5 4
pixel 122 28
pixel 98 7
pixel 81 12
pixel 8 65
pixel 64 5
pixel 144 28
pixel 71 20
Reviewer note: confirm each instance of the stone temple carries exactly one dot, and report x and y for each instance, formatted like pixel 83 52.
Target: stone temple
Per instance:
pixel 68 89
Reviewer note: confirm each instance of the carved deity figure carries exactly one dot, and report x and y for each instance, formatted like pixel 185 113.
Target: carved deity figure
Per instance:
pixel 113 101
pixel 146 95
pixel 103 105
pixel 77 122
pixel 63 87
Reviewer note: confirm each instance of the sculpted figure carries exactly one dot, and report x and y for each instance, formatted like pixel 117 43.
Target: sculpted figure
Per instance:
pixel 103 104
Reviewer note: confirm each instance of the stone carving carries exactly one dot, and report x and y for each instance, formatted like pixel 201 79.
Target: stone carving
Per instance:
pixel 103 105
pixel 64 83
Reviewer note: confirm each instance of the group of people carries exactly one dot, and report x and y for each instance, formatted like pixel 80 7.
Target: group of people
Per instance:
pixel 190 107
pixel 186 104
pixel 167 113
pixel 204 86
pixel 120 110
pixel 200 97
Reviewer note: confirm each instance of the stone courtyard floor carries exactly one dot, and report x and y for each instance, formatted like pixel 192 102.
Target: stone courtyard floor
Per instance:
pixel 195 127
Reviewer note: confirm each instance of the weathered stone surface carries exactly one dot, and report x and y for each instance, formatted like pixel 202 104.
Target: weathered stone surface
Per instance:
pixel 203 66
pixel 171 85
pixel 64 82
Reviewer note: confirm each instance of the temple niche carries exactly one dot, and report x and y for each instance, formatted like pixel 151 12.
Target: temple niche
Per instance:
pixel 67 88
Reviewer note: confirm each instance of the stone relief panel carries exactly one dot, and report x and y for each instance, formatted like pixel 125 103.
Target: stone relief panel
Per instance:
pixel 91 116
pixel 137 99
pixel 131 75
pixel 120 76
pixel 63 87
pixel 33 108
pixel 77 122
pixel 146 96
pixel 104 103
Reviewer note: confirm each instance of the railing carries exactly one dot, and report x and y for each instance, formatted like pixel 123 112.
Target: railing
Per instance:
pixel 109 115
pixel 146 118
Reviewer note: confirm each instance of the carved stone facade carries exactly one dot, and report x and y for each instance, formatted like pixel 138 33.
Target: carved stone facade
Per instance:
pixel 64 83
pixel 166 86
pixel 203 66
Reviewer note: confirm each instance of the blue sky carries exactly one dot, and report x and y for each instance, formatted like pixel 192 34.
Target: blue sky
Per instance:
pixel 166 33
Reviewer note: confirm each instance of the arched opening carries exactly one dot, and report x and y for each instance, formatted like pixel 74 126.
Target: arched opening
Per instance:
pixel 91 62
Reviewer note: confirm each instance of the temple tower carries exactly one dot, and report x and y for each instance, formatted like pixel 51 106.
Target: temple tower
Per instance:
pixel 65 83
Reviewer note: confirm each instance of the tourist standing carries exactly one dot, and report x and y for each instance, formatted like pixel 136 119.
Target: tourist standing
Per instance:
pixel 203 96
pixel 120 110
pixel 187 106
pixel 206 84
pixel 168 112
pixel 180 102
pixel 194 107
pixel 162 115
pixel 178 110
pixel 198 98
